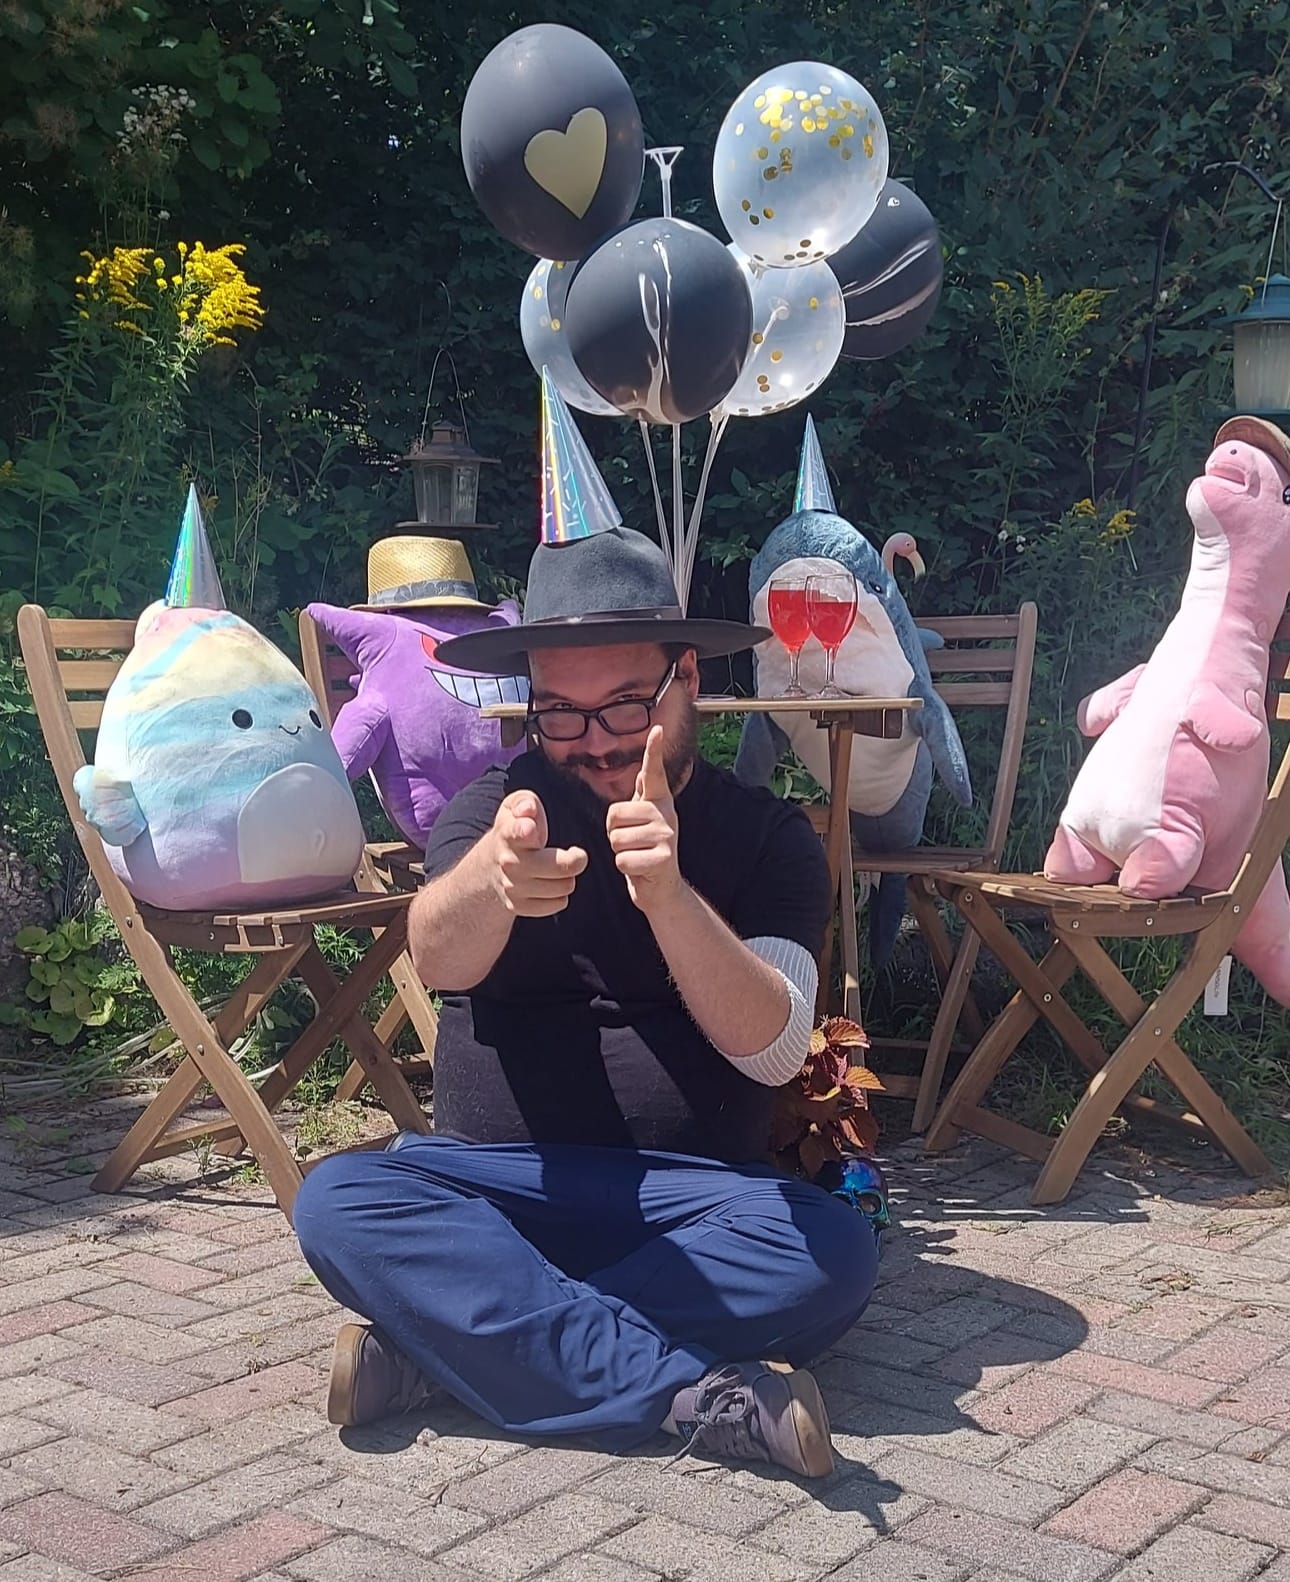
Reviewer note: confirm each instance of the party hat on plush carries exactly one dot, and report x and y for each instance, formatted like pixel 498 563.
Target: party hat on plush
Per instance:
pixel 194 582
pixel 575 499
pixel 813 492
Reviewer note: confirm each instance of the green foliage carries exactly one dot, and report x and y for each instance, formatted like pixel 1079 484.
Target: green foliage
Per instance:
pixel 72 986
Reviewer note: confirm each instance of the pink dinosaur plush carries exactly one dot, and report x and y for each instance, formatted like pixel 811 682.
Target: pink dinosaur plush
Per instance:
pixel 414 722
pixel 1172 789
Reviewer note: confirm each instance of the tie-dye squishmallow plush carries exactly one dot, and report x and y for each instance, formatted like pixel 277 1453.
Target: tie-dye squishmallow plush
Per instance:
pixel 215 782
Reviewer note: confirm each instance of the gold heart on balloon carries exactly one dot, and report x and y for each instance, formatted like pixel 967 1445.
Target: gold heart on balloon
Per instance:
pixel 569 164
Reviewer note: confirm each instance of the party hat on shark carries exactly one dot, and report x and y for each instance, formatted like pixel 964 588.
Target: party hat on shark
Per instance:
pixel 575 499
pixel 194 582
pixel 813 491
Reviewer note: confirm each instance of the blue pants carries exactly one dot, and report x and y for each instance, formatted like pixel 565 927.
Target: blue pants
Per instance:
pixel 557 1289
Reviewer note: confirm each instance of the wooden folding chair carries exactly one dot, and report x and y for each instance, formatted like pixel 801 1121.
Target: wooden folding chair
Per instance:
pixel 386 866
pixel 1078 917
pixel 282 942
pixel 987 662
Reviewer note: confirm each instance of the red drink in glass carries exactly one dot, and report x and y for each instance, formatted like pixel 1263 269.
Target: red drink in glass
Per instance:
pixel 831 620
pixel 831 608
pixel 789 619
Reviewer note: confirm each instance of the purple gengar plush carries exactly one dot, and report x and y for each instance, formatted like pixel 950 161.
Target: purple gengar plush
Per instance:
pixel 414 722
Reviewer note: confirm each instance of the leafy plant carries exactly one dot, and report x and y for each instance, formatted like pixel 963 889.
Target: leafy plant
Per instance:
pixel 73 983
pixel 823 1113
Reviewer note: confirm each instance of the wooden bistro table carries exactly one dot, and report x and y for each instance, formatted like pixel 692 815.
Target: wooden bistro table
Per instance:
pixel 844 719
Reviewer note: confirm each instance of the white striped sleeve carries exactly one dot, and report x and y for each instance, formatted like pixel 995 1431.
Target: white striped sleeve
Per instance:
pixel 782 1060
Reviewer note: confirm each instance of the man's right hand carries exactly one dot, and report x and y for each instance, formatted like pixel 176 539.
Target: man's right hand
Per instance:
pixel 531 879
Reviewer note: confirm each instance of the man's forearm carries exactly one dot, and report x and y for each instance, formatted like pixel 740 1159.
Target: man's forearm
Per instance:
pixel 739 1001
pixel 458 926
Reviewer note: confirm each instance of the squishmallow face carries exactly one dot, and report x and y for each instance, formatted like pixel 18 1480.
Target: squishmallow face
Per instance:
pixel 215 782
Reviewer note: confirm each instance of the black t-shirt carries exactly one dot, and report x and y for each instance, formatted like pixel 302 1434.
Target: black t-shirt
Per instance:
pixel 578 1034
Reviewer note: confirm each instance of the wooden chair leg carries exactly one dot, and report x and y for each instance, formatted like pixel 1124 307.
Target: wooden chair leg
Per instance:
pixel 1173 1062
pixel 403 975
pixel 242 1006
pixel 381 1069
pixel 953 1001
pixel 417 1002
pixel 922 903
pixel 1145 1041
pixel 389 1024
pixel 229 1083
pixel 1100 1100
pixel 992 1053
pixel 1041 991
pixel 336 1006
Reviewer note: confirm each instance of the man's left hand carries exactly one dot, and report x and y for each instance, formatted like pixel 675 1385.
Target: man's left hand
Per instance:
pixel 642 833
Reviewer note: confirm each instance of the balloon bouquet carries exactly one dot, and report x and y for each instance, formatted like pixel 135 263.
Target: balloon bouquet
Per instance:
pixel 657 320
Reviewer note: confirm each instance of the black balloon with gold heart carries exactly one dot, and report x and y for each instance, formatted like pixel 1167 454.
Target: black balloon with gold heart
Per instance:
pixel 551 140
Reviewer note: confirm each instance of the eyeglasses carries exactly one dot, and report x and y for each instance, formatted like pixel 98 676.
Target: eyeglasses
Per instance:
pixel 564 723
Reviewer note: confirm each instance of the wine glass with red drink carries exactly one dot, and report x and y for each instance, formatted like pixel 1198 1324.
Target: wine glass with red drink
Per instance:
pixel 831 613
pixel 786 606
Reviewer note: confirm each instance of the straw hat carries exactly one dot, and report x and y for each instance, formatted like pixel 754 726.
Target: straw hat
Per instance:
pixel 418 574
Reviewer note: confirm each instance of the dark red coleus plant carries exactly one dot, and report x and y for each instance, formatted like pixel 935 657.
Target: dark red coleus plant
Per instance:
pixel 823 1114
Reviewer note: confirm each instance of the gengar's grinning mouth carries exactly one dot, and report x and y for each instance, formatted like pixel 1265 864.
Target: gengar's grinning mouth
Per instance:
pixel 478 692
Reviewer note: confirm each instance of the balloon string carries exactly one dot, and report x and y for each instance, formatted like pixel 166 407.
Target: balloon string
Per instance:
pixel 692 533
pixel 658 498
pixel 678 521
pixel 664 159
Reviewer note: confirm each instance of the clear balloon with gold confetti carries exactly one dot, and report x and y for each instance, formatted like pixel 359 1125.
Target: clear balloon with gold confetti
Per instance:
pixel 542 331
pixel 799 320
pixel 800 161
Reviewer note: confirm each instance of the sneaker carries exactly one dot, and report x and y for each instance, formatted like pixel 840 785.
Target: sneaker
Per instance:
pixel 754 1412
pixel 371 1380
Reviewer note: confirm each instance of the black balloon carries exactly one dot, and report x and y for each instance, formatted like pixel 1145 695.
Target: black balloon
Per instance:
pixel 659 321
pixel 551 140
pixel 890 274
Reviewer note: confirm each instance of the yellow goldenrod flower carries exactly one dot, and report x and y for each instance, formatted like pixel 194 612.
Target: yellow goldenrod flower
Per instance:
pixel 211 295
pixel 1119 526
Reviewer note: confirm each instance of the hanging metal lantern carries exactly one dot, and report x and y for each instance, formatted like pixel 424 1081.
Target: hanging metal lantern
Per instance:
pixel 445 482
pixel 1261 352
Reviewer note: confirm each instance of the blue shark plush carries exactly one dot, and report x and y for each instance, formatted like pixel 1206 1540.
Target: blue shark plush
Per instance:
pixel 883 656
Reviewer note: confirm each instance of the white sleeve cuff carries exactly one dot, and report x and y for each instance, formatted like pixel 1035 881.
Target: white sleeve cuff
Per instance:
pixel 780 1061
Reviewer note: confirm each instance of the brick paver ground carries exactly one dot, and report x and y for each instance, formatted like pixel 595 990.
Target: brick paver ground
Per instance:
pixel 1096 1391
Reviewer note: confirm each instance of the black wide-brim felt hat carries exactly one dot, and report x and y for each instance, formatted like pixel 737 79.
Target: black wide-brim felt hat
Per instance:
pixel 613 587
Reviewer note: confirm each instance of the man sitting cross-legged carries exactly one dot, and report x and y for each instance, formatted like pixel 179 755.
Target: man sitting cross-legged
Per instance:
pixel 626 939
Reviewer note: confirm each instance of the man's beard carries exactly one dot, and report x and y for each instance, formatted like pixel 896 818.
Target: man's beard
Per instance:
pixel 678 759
